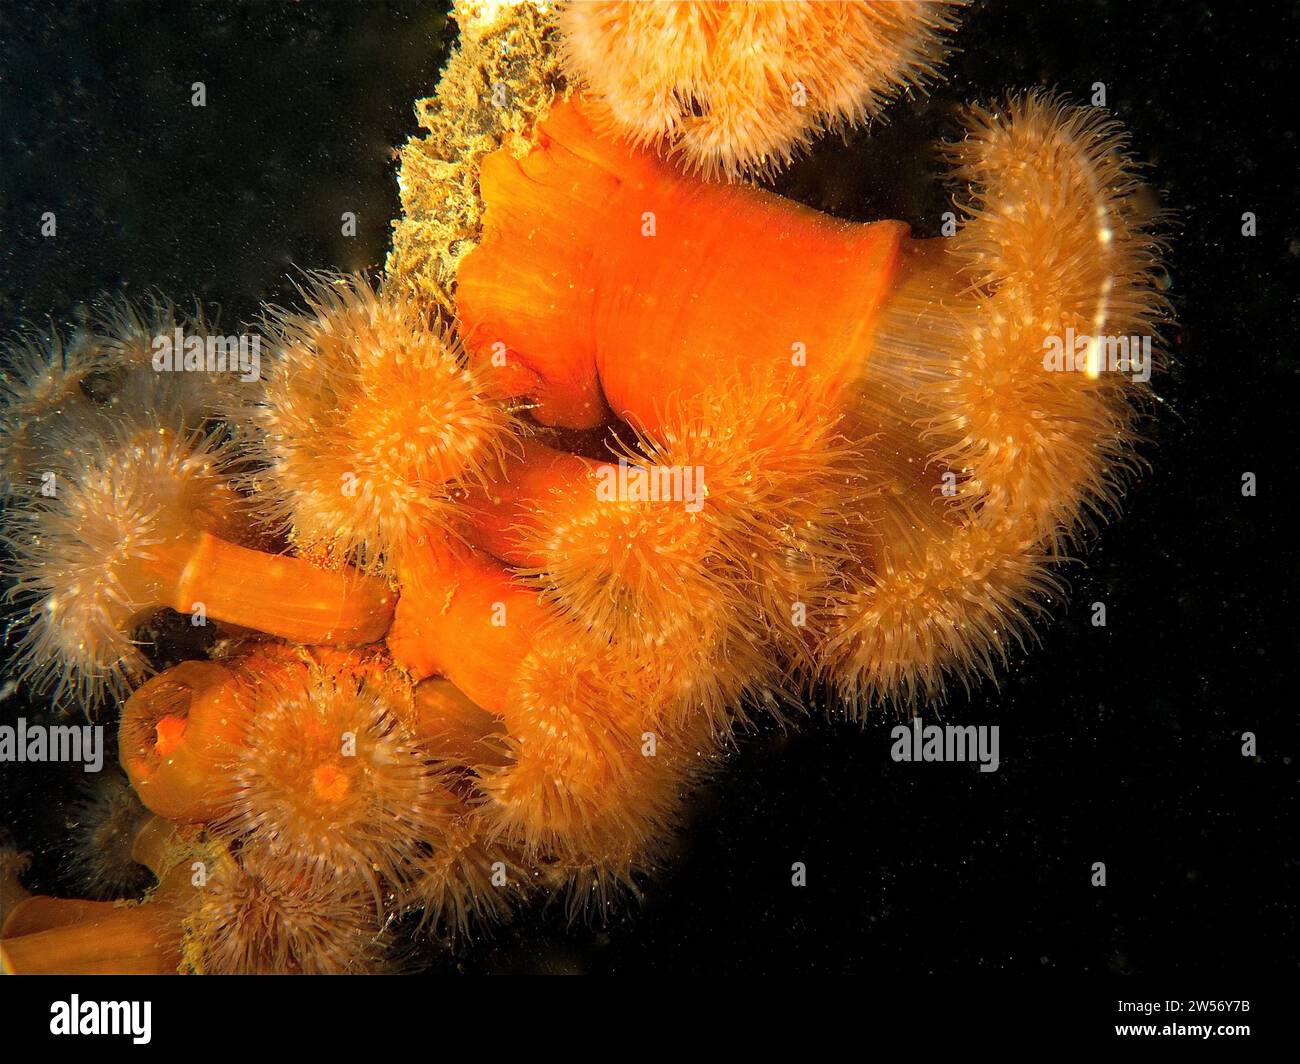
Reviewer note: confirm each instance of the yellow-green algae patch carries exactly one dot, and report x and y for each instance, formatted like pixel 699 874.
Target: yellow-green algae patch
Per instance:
pixel 499 81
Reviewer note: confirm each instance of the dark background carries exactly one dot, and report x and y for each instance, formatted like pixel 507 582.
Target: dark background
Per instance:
pixel 1119 744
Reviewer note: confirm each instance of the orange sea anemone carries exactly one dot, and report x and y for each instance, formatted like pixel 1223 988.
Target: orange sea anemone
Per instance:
pixel 63 936
pixel 137 523
pixel 583 779
pixel 1059 243
pixel 606 542
pixel 927 356
pixel 587 246
pixel 469 882
pixel 992 383
pixel 737 87
pixel 597 779
pixel 178 732
pixel 693 555
pixel 326 759
pixel 371 427
pixel 247 919
pixel 213 911
pixel 937 601
pixel 330 779
pixel 332 797
pixel 775 473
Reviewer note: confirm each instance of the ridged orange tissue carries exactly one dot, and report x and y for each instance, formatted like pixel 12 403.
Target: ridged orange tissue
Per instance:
pixel 653 307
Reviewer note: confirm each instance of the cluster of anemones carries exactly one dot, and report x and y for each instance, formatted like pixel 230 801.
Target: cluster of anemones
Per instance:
pixel 488 610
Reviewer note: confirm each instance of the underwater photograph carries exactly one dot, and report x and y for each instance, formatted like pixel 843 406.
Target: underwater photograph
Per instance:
pixel 678 488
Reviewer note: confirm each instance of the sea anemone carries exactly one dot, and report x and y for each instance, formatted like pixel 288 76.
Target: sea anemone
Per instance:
pixel 66 936
pixel 247 919
pixel 946 604
pixel 55 393
pixel 41 398
pixel 371 426
pixel 597 776
pixel 692 558
pixel 587 244
pixel 734 87
pixel 155 364
pixel 598 789
pixel 468 882
pixel 130 530
pixel 777 474
pixel 583 777
pixel 923 357
pixel 572 737
pixel 606 542
pixel 213 911
pixel 330 780
pixel 104 823
pixel 455 730
pixel 180 730
pixel 464 616
pixel 1059 243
